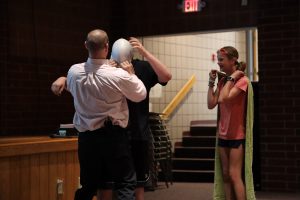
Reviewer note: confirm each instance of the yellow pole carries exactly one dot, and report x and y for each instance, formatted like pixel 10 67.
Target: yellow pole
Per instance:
pixel 179 97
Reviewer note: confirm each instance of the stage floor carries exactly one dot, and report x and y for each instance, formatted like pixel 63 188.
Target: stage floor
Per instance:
pixel 203 191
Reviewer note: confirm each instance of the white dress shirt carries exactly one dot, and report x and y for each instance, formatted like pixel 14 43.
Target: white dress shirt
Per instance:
pixel 100 91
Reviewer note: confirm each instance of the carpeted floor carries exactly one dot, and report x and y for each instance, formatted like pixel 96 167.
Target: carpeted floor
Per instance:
pixel 203 191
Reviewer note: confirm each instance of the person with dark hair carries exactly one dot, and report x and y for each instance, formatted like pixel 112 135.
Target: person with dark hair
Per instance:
pixel 234 97
pixel 150 72
pixel 101 116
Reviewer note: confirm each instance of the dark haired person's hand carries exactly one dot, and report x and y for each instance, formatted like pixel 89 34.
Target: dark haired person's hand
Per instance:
pixel 136 44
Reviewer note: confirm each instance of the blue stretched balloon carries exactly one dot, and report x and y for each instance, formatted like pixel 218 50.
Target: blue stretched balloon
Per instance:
pixel 121 51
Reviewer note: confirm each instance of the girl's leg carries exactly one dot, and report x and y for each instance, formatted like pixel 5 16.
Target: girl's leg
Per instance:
pixel 236 161
pixel 224 156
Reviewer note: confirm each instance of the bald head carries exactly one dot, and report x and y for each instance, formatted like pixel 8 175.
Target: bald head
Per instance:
pixel 96 40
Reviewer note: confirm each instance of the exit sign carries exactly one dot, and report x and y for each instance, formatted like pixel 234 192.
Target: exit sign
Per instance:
pixel 192 5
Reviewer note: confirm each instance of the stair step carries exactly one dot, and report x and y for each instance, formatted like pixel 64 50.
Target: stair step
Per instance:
pixel 193 164
pixel 178 144
pixel 194 152
pixel 203 128
pixel 198 141
pixel 193 171
pixel 207 123
pixel 203 131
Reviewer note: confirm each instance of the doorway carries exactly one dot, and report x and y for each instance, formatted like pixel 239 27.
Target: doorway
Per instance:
pixel 195 53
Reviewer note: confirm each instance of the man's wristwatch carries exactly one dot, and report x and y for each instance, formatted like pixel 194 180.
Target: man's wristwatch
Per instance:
pixel 229 78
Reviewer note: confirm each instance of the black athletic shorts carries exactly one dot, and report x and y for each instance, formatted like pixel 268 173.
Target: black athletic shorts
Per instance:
pixel 141 160
pixel 231 143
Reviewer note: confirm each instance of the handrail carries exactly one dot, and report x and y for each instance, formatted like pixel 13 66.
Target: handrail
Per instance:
pixel 179 97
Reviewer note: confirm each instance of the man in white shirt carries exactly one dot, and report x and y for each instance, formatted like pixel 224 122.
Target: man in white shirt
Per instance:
pixel 101 116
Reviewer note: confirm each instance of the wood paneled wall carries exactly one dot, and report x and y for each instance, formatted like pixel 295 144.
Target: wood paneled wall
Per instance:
pixel 34 176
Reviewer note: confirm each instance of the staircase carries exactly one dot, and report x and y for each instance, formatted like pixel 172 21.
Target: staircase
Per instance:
pixel 193 159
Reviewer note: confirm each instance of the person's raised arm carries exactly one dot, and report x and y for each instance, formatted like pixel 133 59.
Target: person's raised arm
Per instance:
pixel 59 85
pixel 212 95
pixel 161 70
pixel 229 92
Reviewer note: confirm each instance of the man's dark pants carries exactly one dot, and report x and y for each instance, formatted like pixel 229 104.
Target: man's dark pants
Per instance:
pixel 105 159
